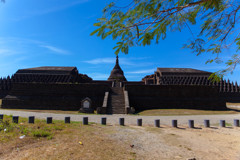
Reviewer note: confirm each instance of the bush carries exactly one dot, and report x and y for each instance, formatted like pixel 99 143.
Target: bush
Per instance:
pixel 6 125
pixel 41 133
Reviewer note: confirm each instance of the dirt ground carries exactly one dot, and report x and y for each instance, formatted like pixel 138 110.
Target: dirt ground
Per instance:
pixel 128 142
pixel 182 143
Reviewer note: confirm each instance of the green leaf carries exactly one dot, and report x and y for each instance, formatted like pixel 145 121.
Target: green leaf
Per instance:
pixel 94 32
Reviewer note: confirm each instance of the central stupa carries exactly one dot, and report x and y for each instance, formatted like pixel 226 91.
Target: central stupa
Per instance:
pixel 117 73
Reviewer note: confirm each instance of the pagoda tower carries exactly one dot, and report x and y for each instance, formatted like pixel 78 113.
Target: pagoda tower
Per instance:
pixel 117 73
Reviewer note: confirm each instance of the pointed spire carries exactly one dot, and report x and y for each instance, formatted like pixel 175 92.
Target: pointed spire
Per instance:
pixel 117 60
pixel 117 73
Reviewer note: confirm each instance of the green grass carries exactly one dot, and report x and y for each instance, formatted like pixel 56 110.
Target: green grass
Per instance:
pixel 41 133
pixel 40 129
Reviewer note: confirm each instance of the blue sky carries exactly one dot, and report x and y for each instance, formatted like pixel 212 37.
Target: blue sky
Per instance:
pixel 37 33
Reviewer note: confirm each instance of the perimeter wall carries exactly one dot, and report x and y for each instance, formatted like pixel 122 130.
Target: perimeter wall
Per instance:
pixel 54 96
pixel 143 97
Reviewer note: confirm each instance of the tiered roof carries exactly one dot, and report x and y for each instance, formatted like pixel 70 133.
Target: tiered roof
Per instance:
pixel 49 74
pixel 117 73
pixel 189 76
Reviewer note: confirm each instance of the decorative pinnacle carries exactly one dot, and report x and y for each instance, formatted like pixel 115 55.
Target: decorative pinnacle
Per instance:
pixel 117 59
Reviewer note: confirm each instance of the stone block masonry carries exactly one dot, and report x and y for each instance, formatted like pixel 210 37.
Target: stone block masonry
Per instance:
pixel 54 96
pixel 143 97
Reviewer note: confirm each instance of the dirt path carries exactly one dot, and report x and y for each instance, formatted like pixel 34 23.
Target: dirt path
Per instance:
pixel 129 119
pixel 182 144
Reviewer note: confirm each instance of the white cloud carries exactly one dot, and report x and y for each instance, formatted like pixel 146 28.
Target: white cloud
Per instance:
pixel 98 76
pixel 7 52
pixel 122 61
pixel 55 49
pixel 50 10
pixel 149 71
pixel 15 45
pixel 101 61
pixel 59 8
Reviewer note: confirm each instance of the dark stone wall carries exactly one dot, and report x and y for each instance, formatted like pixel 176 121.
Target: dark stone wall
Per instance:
pixel 54 96
pixel 3 93
pixel 233 97
pixel 133 83
pixel 143 97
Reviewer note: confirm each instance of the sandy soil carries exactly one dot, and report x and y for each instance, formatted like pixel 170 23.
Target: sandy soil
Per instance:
pixel 169 143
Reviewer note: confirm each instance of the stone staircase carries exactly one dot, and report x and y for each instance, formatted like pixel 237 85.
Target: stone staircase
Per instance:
pixel 116 104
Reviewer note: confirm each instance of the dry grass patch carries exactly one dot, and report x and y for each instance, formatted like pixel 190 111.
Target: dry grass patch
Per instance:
pixel 60 141
pixel 177 112
pixel 235 106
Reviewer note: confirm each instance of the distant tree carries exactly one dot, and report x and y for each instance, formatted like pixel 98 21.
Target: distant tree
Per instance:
pixel 141 22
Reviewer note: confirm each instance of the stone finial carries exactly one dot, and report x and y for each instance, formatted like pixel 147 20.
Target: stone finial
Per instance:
pixel 236 87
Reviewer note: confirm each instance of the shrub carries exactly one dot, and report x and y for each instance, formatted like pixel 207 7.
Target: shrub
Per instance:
pixel 6 125
pixel 41 133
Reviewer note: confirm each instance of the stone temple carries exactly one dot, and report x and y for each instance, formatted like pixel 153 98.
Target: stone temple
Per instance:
pixel 64 88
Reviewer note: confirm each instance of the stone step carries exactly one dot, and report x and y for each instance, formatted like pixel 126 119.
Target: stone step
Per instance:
pixel 117 96
pixel 116 101
pixel 116 90
pixel 117 106
pixel 117 93
pixel 118 110
pixel 119 101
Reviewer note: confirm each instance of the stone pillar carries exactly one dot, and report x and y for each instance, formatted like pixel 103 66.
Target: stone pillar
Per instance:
pixel 121 121
pixel 157 123
pixel 67 120
pixel 207 123
pixel 31 119
pixel 85 120
pixel 139 122
pixel 191 123
pixel 104 121
pixel 15 119
pixel 236 122
pixel 49 120
pixel 222 123
pixel 174 123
